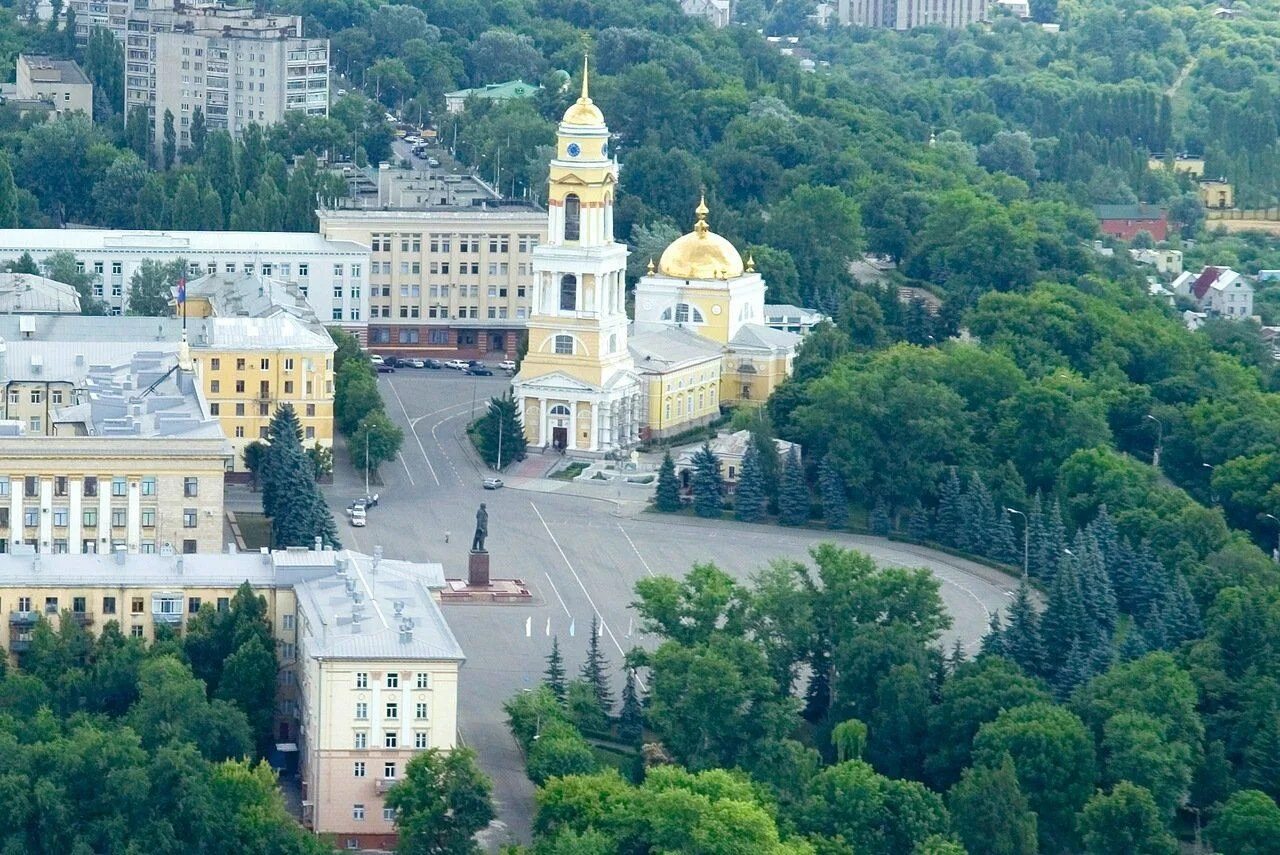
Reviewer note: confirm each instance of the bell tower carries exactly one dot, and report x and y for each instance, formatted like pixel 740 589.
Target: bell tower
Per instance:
pixel 578 367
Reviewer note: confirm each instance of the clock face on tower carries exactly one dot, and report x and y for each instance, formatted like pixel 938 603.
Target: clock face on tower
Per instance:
pixel 574 149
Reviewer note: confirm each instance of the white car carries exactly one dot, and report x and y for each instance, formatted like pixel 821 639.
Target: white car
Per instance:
pixel 459 364
pixel 415 362
pixel 411 140
pixel 376 359
pixel 507 365
pixel 358 518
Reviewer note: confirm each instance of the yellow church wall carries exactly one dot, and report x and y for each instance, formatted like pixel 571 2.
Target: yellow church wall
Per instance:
pixel 683 398
pixel 752 387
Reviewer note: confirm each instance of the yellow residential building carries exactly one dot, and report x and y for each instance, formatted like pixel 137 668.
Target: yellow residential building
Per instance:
pixel 368 673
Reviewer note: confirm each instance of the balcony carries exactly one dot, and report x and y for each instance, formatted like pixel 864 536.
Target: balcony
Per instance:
pixel 167 617
pixel 20 643
pixel 384 784
pixel 82 618
pixel 27 618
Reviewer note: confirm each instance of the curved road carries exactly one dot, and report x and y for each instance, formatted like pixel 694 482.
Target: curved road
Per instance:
pixel 580 549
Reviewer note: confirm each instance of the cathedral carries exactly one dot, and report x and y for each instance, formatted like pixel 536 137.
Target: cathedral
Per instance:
pixel 593 382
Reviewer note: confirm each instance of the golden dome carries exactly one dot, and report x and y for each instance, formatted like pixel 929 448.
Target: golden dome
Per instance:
pixel 701 254
pixel 583 111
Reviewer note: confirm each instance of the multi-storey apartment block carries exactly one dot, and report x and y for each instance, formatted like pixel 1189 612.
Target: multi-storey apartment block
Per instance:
pixel 444 281
pixel 331 274
pixel 238 67
pixel 128 457
pixel 368 666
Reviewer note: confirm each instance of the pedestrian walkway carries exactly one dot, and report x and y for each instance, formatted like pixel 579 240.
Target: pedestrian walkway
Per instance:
pixel 536 465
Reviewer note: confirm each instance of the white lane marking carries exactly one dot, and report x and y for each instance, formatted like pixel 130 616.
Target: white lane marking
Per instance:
pixel 447 457
pixel 644 563
pixel 416 419
pixel 604 624
pixel 414 431
pixel 405 464
pixel 556 591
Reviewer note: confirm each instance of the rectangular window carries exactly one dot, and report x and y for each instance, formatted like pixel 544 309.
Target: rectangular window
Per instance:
pixel 149 486
pixel 423 680
pixel 389 769
pixel 193 605
pixel 148 518
pixel 51 605
pixel 91 519
pixel 135 631
pixel 215 364
pixel 135 606
pixel 362 710
pixel 188 517
pixel 389 814
pixel 190 486
pixel 420 710
pixel 118 517
pixel 362 739
pixel 60 485
pixel 393 681
pixel 357 813
pixel 119 487
pixel 4 486
pixel 31 517
pixel 79 605
pixel 362 679
pixel 393 709
pixel 31 486
pixel 358 769
pixel 61 517
pixel 420 739
pixel 90 486
pixel 389 738
pixel 108 605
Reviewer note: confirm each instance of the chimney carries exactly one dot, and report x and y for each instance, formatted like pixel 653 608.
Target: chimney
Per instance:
pixel 265 553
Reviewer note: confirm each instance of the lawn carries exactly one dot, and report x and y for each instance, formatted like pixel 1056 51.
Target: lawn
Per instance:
pixel 255 528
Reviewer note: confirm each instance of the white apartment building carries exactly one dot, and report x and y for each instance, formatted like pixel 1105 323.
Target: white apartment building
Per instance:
pixel 331 274
pixel 908 14
pixel 368 665
pixel 237 67
pixel 444 281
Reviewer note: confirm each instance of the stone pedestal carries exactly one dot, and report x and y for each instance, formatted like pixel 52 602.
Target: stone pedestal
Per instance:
pixel 478 569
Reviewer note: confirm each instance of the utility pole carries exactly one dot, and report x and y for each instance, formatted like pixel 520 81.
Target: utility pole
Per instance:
pixel 501 423
pixel 1026 540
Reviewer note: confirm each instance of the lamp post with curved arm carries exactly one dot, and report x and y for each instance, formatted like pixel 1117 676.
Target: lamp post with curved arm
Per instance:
pixel 1026 540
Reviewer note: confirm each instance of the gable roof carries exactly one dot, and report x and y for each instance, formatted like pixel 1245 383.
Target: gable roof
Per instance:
pixel 1205 280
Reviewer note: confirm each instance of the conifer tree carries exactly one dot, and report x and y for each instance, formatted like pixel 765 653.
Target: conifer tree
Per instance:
pixel 1022 641
pixel 595 670
pixel 284 433
pixel 631 721
pixel 1075 671
pixel 1134 645
pixel 1055 537
pixel 707 499
pixel 553 677
pixel 957 657
pixel 749 501
pixel 1037 556
pixel 1103 532
pixel 1004 545
pixel 1064 617
pixel 1095 585
pixel 878 520
pixel 793 494
pixel 993 641
pixel 950 514
pixel 667 496
pixel 1124 570
pixel 1152 625
pixel 977 513
pixel 835 499
pixel 918 524
pixel 1180 613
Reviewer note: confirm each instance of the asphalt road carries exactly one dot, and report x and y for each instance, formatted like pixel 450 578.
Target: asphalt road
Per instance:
pixel 579 553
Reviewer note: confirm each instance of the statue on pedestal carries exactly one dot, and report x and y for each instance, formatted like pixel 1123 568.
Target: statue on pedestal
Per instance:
pixel 482 529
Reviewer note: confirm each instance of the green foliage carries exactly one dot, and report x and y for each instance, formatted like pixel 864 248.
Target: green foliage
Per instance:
pixel 835 501
pixel 440 803
pixel 793 494
pixel 376 440
pixel 499 430
pixel 1248 824
pixel 554 676
pixel 869 812
pixel 667 492
pixel 150 288
pixel 355 395
pixel 290 495
pixel 706 483
pixel 749 500
pixel 595 669
pixel 1125 821
pixel 62 267
pixel 631 720
pixel 990 813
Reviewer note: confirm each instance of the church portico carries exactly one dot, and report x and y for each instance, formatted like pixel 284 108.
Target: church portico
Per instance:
pixel 576 419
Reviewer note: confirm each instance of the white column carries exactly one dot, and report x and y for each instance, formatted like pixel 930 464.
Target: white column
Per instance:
pixel 133 536
pixel 15 510
pixel 542 422
pixel 573 424
pixel 46 515
pixel 104 515
pixel 594 439
pixel 75 517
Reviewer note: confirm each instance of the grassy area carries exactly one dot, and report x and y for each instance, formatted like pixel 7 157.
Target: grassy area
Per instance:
pixel 573 470
pixel 255 528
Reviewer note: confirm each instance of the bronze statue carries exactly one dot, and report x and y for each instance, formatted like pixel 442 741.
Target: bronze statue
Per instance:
pixel 482 529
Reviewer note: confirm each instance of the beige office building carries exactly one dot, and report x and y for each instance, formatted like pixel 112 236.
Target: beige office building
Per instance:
pixel 58 82
pixel 368 665
pixel 445 281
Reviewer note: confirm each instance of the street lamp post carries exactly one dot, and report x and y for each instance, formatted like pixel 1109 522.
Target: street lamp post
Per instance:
pixel 367 431
pixel 1155 454
pixel 1275 556
pixel 1213 495
pixel 501 424
pixel 1026 540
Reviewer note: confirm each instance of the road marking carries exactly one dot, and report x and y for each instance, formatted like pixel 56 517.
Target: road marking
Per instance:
pixel 604 624
pixel 414 431
pixel 416 419
pixel 556 591
pixel 447 457
pixel 636 551
pixel 405 463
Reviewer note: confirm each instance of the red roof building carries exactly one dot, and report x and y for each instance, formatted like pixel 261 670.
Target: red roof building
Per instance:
pixel 1125 221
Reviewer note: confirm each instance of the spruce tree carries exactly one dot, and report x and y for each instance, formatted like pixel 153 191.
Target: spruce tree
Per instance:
pixel 977 518
pixel 553 677
pixel 707 484
pixel 1055 537
pixel 1103 531
pixel 993 641
pixel 918 524
pixel 1124 570
pixel 1075 671
pixel 1005 546
pixel 595 670
pixel 1022 641
pixel 284 435
pixel 750 501
pixel 667 496
pixel 957 657
pixel 1036 524
pixel 1180 612
pixel 1095 585
pixel 631 721
pixel 793 494
pixel 878 520
pixel 835 498
pixel 950 511
pixel 1064 616
pixel 1134 645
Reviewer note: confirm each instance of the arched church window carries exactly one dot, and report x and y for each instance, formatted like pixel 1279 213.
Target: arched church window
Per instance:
pixel 564 344
pixel 572 217
pixel 568 292
pixel 683 313
pixel 559 409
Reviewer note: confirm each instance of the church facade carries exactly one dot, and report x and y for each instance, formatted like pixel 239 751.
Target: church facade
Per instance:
pixel 594 383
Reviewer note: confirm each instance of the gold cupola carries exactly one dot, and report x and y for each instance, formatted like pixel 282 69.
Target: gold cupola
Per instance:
pixel 701 254
pixel 583 112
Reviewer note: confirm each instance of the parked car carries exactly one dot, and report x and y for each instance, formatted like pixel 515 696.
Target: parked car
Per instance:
pixel 385 368
pixel 412 139
pixel 414 362
pixel 456 363
pixel 432 161
pixel 377 359
pixel 507 365
pixel 433 364
pixel 492 483
pixel 479 371
pixel 358 518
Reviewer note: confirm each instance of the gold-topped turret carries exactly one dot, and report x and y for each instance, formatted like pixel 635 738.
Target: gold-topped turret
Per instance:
pixel 701 254
pixel 751 263
pixel 583 112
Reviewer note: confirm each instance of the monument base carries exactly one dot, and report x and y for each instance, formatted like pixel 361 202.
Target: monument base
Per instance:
pixel 478 569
